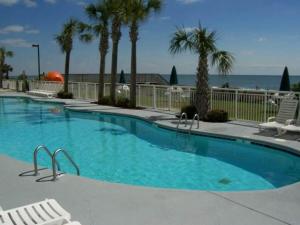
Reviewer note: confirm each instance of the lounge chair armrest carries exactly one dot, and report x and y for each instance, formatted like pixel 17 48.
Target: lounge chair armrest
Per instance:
pixel 271 119
pixel 289 122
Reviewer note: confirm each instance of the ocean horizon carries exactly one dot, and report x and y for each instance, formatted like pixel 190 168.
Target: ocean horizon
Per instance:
pixel 268 82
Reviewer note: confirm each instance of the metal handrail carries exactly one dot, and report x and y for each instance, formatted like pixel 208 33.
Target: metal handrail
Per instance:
pixel 196 116
pixel 35 154
pixel 68 157
pixel 181 117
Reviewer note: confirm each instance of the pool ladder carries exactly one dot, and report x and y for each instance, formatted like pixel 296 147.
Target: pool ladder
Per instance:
pixel 55 164
pixel 184 116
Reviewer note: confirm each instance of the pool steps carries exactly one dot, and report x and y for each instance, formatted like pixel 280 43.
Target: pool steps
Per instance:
pixel 54 162
pixel 184 116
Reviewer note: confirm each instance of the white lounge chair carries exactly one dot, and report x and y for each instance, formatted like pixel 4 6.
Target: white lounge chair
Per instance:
pixel 285 116
pixel 42 93
pixel 294 126
pixel 47 212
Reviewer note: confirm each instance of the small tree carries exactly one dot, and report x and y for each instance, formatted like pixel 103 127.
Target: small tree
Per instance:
pixel 285 81
pixel 173 77
pixel 122 78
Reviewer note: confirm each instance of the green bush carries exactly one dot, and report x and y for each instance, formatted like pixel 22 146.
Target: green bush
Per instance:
pixel 123 102
pixel 190 110
pixel 217 116
pixel 105 101
pixel 25 85
pixel 296 87
pixel 65 95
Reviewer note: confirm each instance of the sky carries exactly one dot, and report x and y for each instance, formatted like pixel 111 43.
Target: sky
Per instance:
pixel 263 35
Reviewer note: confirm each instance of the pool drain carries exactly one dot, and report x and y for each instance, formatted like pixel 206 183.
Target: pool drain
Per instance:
pixel 225 181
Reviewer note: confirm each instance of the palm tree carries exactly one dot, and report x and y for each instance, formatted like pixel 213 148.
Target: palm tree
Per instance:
pixel 3 54
pixel 117 9
pixel 136 12
pixel 100 14
pixel 6 69
pixel 203 43
pixel 65 40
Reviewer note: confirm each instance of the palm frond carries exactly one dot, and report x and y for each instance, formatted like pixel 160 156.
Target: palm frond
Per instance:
pixel 223 60
pixel 181 41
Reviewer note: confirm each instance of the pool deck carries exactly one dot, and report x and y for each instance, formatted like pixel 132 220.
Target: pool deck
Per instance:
pixel 94 202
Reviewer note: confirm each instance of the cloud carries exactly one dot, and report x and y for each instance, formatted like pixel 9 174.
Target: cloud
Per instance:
pixel 16 42
pixel 18 29
pixel 50 1
pixel 165 18
pixel 189 29
pixel 262 39
pixel 30 3
pixel 27 3
pixel 8 2
pixel 186 2
pixel 247 52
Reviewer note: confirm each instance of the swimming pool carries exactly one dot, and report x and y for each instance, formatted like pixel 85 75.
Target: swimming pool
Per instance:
pixel 127 150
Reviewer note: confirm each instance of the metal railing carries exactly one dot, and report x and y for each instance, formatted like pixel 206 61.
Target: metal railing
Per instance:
pixel 68 157
pixel 241 104
pixel 183 115
pixel 196 116
pixel 35 155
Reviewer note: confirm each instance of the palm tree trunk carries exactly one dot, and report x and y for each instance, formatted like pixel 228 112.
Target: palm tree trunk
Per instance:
pixel 116 35
pixel 202 89
pixel 103 52
pixel 1 74
pixel 66 78
pixel 134 38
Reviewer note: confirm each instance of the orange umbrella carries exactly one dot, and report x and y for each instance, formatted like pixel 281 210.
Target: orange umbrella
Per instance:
pixel 54 76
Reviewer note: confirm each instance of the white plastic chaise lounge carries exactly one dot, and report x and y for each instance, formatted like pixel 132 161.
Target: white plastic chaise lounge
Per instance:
pixel 47 212
pixel 285 116
pixel 42 93
pixel 292 127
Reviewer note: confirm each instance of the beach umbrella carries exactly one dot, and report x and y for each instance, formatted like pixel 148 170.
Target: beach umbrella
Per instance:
pixel 285 81
pixel 122 78
pixel 173 77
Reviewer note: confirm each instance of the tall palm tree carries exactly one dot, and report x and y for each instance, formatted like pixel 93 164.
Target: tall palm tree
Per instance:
pixel 202 43
pixel 117 9
pixel 3 54
pixel 100 14
pixel 65 40
pixel 6 69
pixel 136 12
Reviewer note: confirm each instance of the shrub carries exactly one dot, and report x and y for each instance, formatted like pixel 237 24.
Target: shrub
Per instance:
pixel 296 87
pixel 65 95
pixel 105 101
pixel 25 86
pixel 123 102
pixel 219 116
pixel 190 110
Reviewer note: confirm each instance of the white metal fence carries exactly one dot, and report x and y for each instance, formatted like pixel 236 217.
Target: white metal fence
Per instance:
pixel 250 105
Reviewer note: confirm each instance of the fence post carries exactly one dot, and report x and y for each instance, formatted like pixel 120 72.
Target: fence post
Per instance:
pixel 95 88
pixel 211 98
pixel 79 84
pixel 265 106
pixel 170 99
pixel 139 94
pixel 236 104
pixel 104 89
pixel 86 91
pixel 154 96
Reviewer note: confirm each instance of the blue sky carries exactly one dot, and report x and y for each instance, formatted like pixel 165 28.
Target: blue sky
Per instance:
pixel 263 35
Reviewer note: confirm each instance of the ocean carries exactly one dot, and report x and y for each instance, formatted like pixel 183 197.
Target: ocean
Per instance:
pixel 268 82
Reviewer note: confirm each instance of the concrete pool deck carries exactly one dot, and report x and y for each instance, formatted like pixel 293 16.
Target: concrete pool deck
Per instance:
pixel 94 202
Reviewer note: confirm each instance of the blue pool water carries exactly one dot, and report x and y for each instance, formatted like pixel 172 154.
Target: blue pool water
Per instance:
pixel 127 150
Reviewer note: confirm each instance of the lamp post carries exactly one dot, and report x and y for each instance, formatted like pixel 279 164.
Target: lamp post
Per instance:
pixel 38 48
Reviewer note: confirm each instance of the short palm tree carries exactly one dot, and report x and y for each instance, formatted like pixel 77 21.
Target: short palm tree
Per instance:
pixel 99 13
pixel 65 40
pixel 3 54
pixel 136 12
pixel 117 9
pixel 203 43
